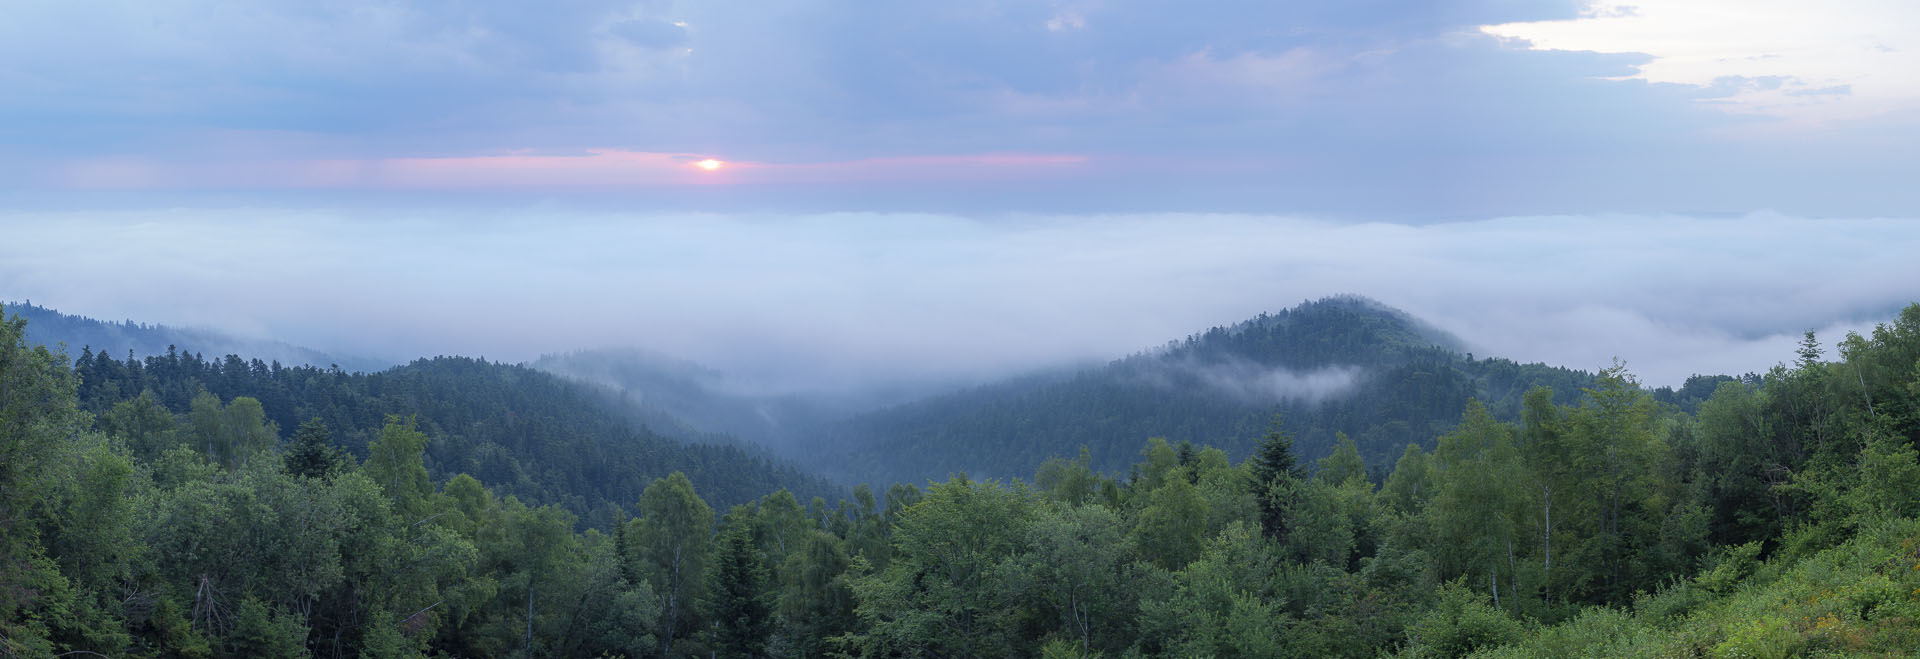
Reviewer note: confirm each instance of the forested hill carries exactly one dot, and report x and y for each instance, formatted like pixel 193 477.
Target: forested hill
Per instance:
pixel 521 431
pixel 1337 365
pixel 49 327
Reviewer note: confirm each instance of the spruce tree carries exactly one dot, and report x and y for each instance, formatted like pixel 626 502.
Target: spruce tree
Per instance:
pixel 742 615
pixel 1275 476
pixel 312 453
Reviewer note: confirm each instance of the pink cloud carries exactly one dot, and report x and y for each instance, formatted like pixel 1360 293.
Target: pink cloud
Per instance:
pixel 594 168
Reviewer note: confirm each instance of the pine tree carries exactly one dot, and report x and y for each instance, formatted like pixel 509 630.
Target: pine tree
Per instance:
pixel 312 453
pixel 1809 350
pixel 1275 476
pixel 742 615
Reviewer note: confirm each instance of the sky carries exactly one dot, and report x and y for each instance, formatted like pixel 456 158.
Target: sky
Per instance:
pixel 965 188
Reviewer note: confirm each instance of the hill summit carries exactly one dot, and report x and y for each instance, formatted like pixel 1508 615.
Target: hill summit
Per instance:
pixel 1339 365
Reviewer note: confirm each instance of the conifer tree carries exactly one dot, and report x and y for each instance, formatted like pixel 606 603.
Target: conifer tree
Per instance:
pixel 312 453
pixel 738 583
pixel 1275 475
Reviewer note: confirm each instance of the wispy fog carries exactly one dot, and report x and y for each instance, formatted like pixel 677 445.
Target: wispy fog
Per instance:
pixel 841 301
pixel 1257 384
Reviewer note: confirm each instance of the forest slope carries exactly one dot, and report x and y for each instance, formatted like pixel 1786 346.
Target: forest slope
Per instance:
pixel 48 327
pixel 524 432
pixel 1338 365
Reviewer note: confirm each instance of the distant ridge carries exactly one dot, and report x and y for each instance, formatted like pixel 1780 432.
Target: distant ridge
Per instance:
pixel 523 432
pixel 48 327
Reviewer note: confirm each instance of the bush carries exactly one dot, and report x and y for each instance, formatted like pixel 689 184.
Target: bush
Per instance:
pixel 1768 637
pixel 1463 622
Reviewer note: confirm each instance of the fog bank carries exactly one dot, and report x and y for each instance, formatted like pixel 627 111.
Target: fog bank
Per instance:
pixel 840 301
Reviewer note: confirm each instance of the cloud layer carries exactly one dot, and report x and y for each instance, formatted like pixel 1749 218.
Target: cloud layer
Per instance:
pixel 849 300
pixel 1398 109
pixel 1812 63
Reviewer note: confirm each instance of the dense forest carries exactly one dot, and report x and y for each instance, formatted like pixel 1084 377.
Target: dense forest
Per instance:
pixel 524 432
pixel 1339 365
pixel 1778 518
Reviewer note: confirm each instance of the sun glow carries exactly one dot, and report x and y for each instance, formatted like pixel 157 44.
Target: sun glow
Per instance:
pixel 710 164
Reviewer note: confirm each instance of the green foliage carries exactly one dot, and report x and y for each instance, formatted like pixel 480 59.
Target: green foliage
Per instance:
pixel 1276 482
pixel 1476 511
pixel 395 461
pixel 1596 633
pixel 86 525
pixel 1322 530
pixel 1172 523
pixel 1463 621
pixel 312 454
pixel 523 432
pixel 742 616
pixel 36 413
pixel 1736 564
pixel 1766 637
pixel 167 632
pixel 178 532
pixel 1073 482
pixel 780 525
pixel 670 542
pixel 146 425
pixel 816 600
pixel 1061 648
pixel 260 632
pixel 1614 443
pixel 944 592
pixel 1079 567
pixel 1855 599
pixel 1740 464
pixel 1409 486
pixel 1343 465
pixel 230 434
pixel 614 614
pixel 1215 608
pixel 385 638
pixel 1888 469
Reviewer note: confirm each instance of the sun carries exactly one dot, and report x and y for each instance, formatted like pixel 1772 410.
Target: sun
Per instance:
pixel 710 164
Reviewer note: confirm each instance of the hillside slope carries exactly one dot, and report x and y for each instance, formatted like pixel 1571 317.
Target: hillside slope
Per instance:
pixel 522 431
pixel 49 327
pixel 1337 365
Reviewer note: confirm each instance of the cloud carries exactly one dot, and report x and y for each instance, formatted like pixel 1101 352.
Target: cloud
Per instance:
pixel 1257 384
pixel 1808 62
pixel 1361 110
pixel 607 168
pixel 859 299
